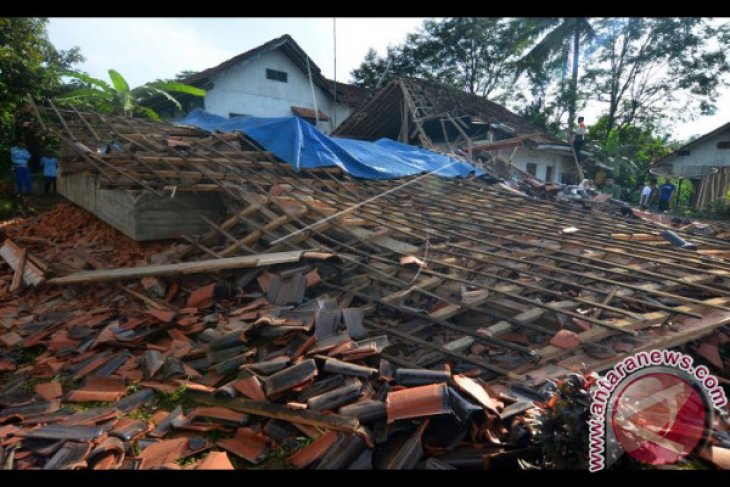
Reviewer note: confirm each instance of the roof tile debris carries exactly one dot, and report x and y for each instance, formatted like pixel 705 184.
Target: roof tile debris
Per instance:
pixel 369 360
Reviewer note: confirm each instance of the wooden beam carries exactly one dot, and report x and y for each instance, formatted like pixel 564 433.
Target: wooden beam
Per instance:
pixel 213 265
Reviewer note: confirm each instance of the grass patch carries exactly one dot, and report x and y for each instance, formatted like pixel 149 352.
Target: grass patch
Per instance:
pixel 81 407
pixel 171 401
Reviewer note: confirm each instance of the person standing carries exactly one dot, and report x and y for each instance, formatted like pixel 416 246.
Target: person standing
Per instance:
pixel 665 194
pixel 579 137
pixel 20 157
pixel 50 171
pixel 645 195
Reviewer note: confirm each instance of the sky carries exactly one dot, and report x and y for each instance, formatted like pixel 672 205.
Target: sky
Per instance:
pixel 144 49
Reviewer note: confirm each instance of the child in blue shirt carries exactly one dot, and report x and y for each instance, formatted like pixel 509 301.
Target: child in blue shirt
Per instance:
pixel 20 157
pixel 50 171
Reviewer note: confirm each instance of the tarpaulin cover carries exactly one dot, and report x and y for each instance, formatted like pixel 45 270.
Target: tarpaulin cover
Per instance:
pixel 299 143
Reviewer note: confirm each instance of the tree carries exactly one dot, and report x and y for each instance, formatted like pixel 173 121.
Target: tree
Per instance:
pixel 468 53
pixel 629 149
pixel 558 36
pixel 649 69
pixel 29 65
pixel 119 99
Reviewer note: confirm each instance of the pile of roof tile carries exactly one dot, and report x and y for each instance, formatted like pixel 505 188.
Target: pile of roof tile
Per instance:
pixel 94 380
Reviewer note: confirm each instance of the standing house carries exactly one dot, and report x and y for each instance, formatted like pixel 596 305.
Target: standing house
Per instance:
pixel 271 80
pixel 432 115
pixel 706 162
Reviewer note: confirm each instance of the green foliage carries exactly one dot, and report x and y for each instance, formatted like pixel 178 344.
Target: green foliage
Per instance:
pixel 630 150
pixel 98 95
pixel 29 64
pixel 648 70
pixel 551 39
pixel 469 53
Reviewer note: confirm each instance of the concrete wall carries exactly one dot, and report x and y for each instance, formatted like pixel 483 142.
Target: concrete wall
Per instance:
pixel 244 89
pixel 140 214
pixel 704 154
pixel 543 159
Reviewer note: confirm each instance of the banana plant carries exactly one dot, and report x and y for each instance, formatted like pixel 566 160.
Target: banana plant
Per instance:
pixel 117 98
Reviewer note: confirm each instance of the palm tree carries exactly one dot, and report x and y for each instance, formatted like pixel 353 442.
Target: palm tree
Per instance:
pixel 561 36
pixel 118 98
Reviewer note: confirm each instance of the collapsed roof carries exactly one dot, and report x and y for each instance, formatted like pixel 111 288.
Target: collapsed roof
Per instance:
pixel 413 313
pixel 442 114
pixel 438 253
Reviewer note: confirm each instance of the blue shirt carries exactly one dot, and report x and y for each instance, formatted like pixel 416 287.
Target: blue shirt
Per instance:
pixel 665 191
pixel 20 157
pixel 50 164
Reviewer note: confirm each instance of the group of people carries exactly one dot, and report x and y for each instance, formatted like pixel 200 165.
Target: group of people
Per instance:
pixel 651 191
pixel 20 157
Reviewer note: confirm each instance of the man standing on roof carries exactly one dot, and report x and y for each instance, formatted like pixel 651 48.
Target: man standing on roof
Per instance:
pixel 665 194
pixel 20 157
pixel 579 137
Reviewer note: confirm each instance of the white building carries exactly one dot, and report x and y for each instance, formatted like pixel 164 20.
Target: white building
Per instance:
pixel 706 162
pixel 275 79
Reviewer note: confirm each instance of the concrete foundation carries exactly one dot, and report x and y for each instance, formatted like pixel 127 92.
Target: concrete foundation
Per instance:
pixel 140 214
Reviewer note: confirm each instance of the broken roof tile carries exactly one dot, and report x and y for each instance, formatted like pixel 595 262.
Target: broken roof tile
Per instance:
pixel 250 387
pixel 215 460
pixel 99 389
pixel 252 447
pixel 711 353
pixel 70 457
pixel 163 452
pixel 290 377
pixel 565 339
pixel 417 402
pixel 164 316
pixel 313 451
pixel 475 390
pixel 202 297
pixel 49 390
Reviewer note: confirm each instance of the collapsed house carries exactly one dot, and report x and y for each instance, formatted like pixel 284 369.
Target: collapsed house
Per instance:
pixel 433 115
pixel 397 323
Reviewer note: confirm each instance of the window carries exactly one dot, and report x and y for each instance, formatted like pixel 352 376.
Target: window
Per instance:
pixel 276 75
pixel 532 169
pixel 723 144
pixel 684 152
pixel 549 174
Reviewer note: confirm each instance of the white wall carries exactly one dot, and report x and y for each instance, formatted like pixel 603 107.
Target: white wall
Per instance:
pixel 705 153
pixel 245 89
pixel 543 159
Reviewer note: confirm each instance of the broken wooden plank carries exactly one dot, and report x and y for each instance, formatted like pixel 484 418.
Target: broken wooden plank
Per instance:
pixel 212 265
pixel 11 253
pixel 18 275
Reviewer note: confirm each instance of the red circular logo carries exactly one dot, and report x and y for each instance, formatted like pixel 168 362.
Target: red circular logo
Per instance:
pixel 659 418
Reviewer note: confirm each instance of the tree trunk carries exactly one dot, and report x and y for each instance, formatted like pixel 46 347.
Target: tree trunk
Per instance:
pixel 574 81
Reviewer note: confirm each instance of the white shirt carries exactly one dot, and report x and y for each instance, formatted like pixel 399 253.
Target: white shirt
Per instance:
pixel 646 191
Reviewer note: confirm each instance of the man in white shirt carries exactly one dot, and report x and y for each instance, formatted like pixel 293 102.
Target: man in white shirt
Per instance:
pixel 645 195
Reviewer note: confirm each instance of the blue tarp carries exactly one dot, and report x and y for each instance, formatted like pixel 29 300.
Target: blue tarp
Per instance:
pixel 299 143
